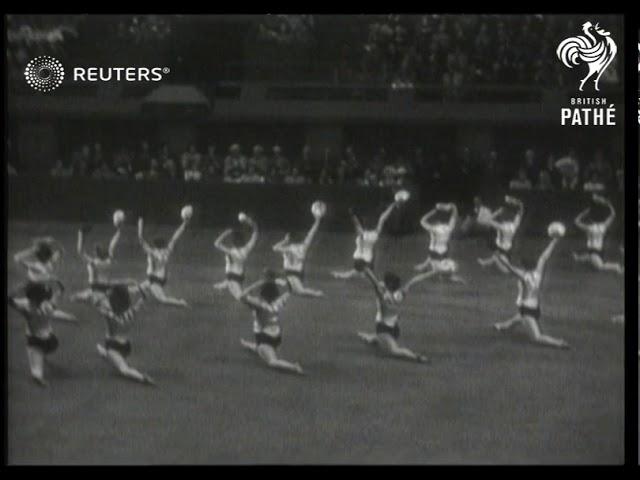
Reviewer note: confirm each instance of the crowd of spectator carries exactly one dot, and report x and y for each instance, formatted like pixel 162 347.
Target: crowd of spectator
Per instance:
pixel 593 173
pixel 456 51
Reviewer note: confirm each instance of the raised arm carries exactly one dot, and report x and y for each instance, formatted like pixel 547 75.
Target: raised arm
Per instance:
pixel 219 243
pixel 453 220
pixel 385 216
pixel 356 222
pixel 612 212
pixel 518 204
pixel 23 256
pixel 545 255
pixel 377 284
pixel 579 221
pixel 254 234
pixel 64 316
pixel 145 246
pixel 281 245
pixel 114 242
pixel 312 233
pixel 177 234
pixel 424 221
pixel 518 272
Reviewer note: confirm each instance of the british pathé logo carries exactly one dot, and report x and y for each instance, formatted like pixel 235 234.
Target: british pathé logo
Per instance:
pixel 595 48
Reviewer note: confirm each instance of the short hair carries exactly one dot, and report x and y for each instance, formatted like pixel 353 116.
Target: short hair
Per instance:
pixel 270 291
pixel 391 281
pixel 119 299
pixel 37 292
pixel 43 252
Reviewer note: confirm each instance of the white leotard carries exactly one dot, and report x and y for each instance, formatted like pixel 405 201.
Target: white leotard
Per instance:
pixel 157 260
pixel 529 290
pixel 505 234
pixel 365 243
pixel 595 235
pixel 439 236
pixel 293 256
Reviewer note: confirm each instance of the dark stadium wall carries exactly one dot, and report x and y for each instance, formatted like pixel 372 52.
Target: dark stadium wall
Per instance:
pixel 274 206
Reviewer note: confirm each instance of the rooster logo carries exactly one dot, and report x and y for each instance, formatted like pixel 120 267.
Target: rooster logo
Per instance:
pixel 597 49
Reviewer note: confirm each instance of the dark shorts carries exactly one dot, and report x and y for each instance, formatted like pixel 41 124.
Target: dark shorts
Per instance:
pixel 99 287
pixel 295 273
pixel 264 339
pixel 123 348
pixel 45 345
pixel 359 264
pixel 157 280
pixel 433 255
pixel 394 331
pixel 502 251
pixel 529 312
pixel 234 277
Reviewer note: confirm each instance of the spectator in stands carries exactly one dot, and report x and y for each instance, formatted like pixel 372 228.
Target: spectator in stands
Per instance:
pixel 530 165
pixel 212 167
pixel 601 168
pixel 259 161
pixel 81 162
pixel 104 171
pixel 280 165
pixel 193 169
pixel 235 164
pixel 521 181
pixel 294 177
pixel 123 163
pixel 327 171
pixel 594 183
pixel 569 169
pixel 307 166
pixel 59 170
pixel 189 158
pixel 97 157
pixel 348 167
pixel 168 166
pixel 544 180
pixel 142 158
pixel 252 175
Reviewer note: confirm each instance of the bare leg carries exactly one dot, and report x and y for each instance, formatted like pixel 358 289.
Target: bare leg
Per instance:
pixel 36 365
pixel 222 285
pixel 158 293
pixel 538 337
pixel 597 262
pixel 268 354
pixel 235 289
pixel 120 364
pixel 581 257
pixel 345 274
pixel 508 324
pixel 423 266
pixel 368 338
pixel 454 278
pixel 391 347
pixel 299 289
pixel 251 346
pixel 85 295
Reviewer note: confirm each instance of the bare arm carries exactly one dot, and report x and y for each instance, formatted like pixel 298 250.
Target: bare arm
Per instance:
pixel 312 233
pixel 453 220
pixel 281 245
pixel 579 219
pixel 114 242
pixel 356 222
pixel 177 234
pixel 23 256
pixel 424 221
pixel 518 272
pixel 64 316
pixel 145 246
pixel 254 235
pixel 518 203
pixel 544 256
pixel 385 216
pixel 219 244
pixel 377 285
pixel 612 213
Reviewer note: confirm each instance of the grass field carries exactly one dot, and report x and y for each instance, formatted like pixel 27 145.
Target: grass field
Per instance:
pixel 485 398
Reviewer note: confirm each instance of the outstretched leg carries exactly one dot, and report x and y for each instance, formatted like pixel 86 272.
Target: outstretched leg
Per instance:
pixel 493 260
pixel 251 346
pixel 82 296
pixel 345 274
pixel 36 365
pixel 158 293
pixel 598 263
pixel 508 324
pixel 221 285
pixel 391 347
pixel 581 257
pixel 299 289
pixel 368 338
pixel 423 266
pixel 269 356
pixel 538 337
pixel 123 368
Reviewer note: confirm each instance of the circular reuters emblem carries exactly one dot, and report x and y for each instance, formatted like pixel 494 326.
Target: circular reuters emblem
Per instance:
pixel 44 73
